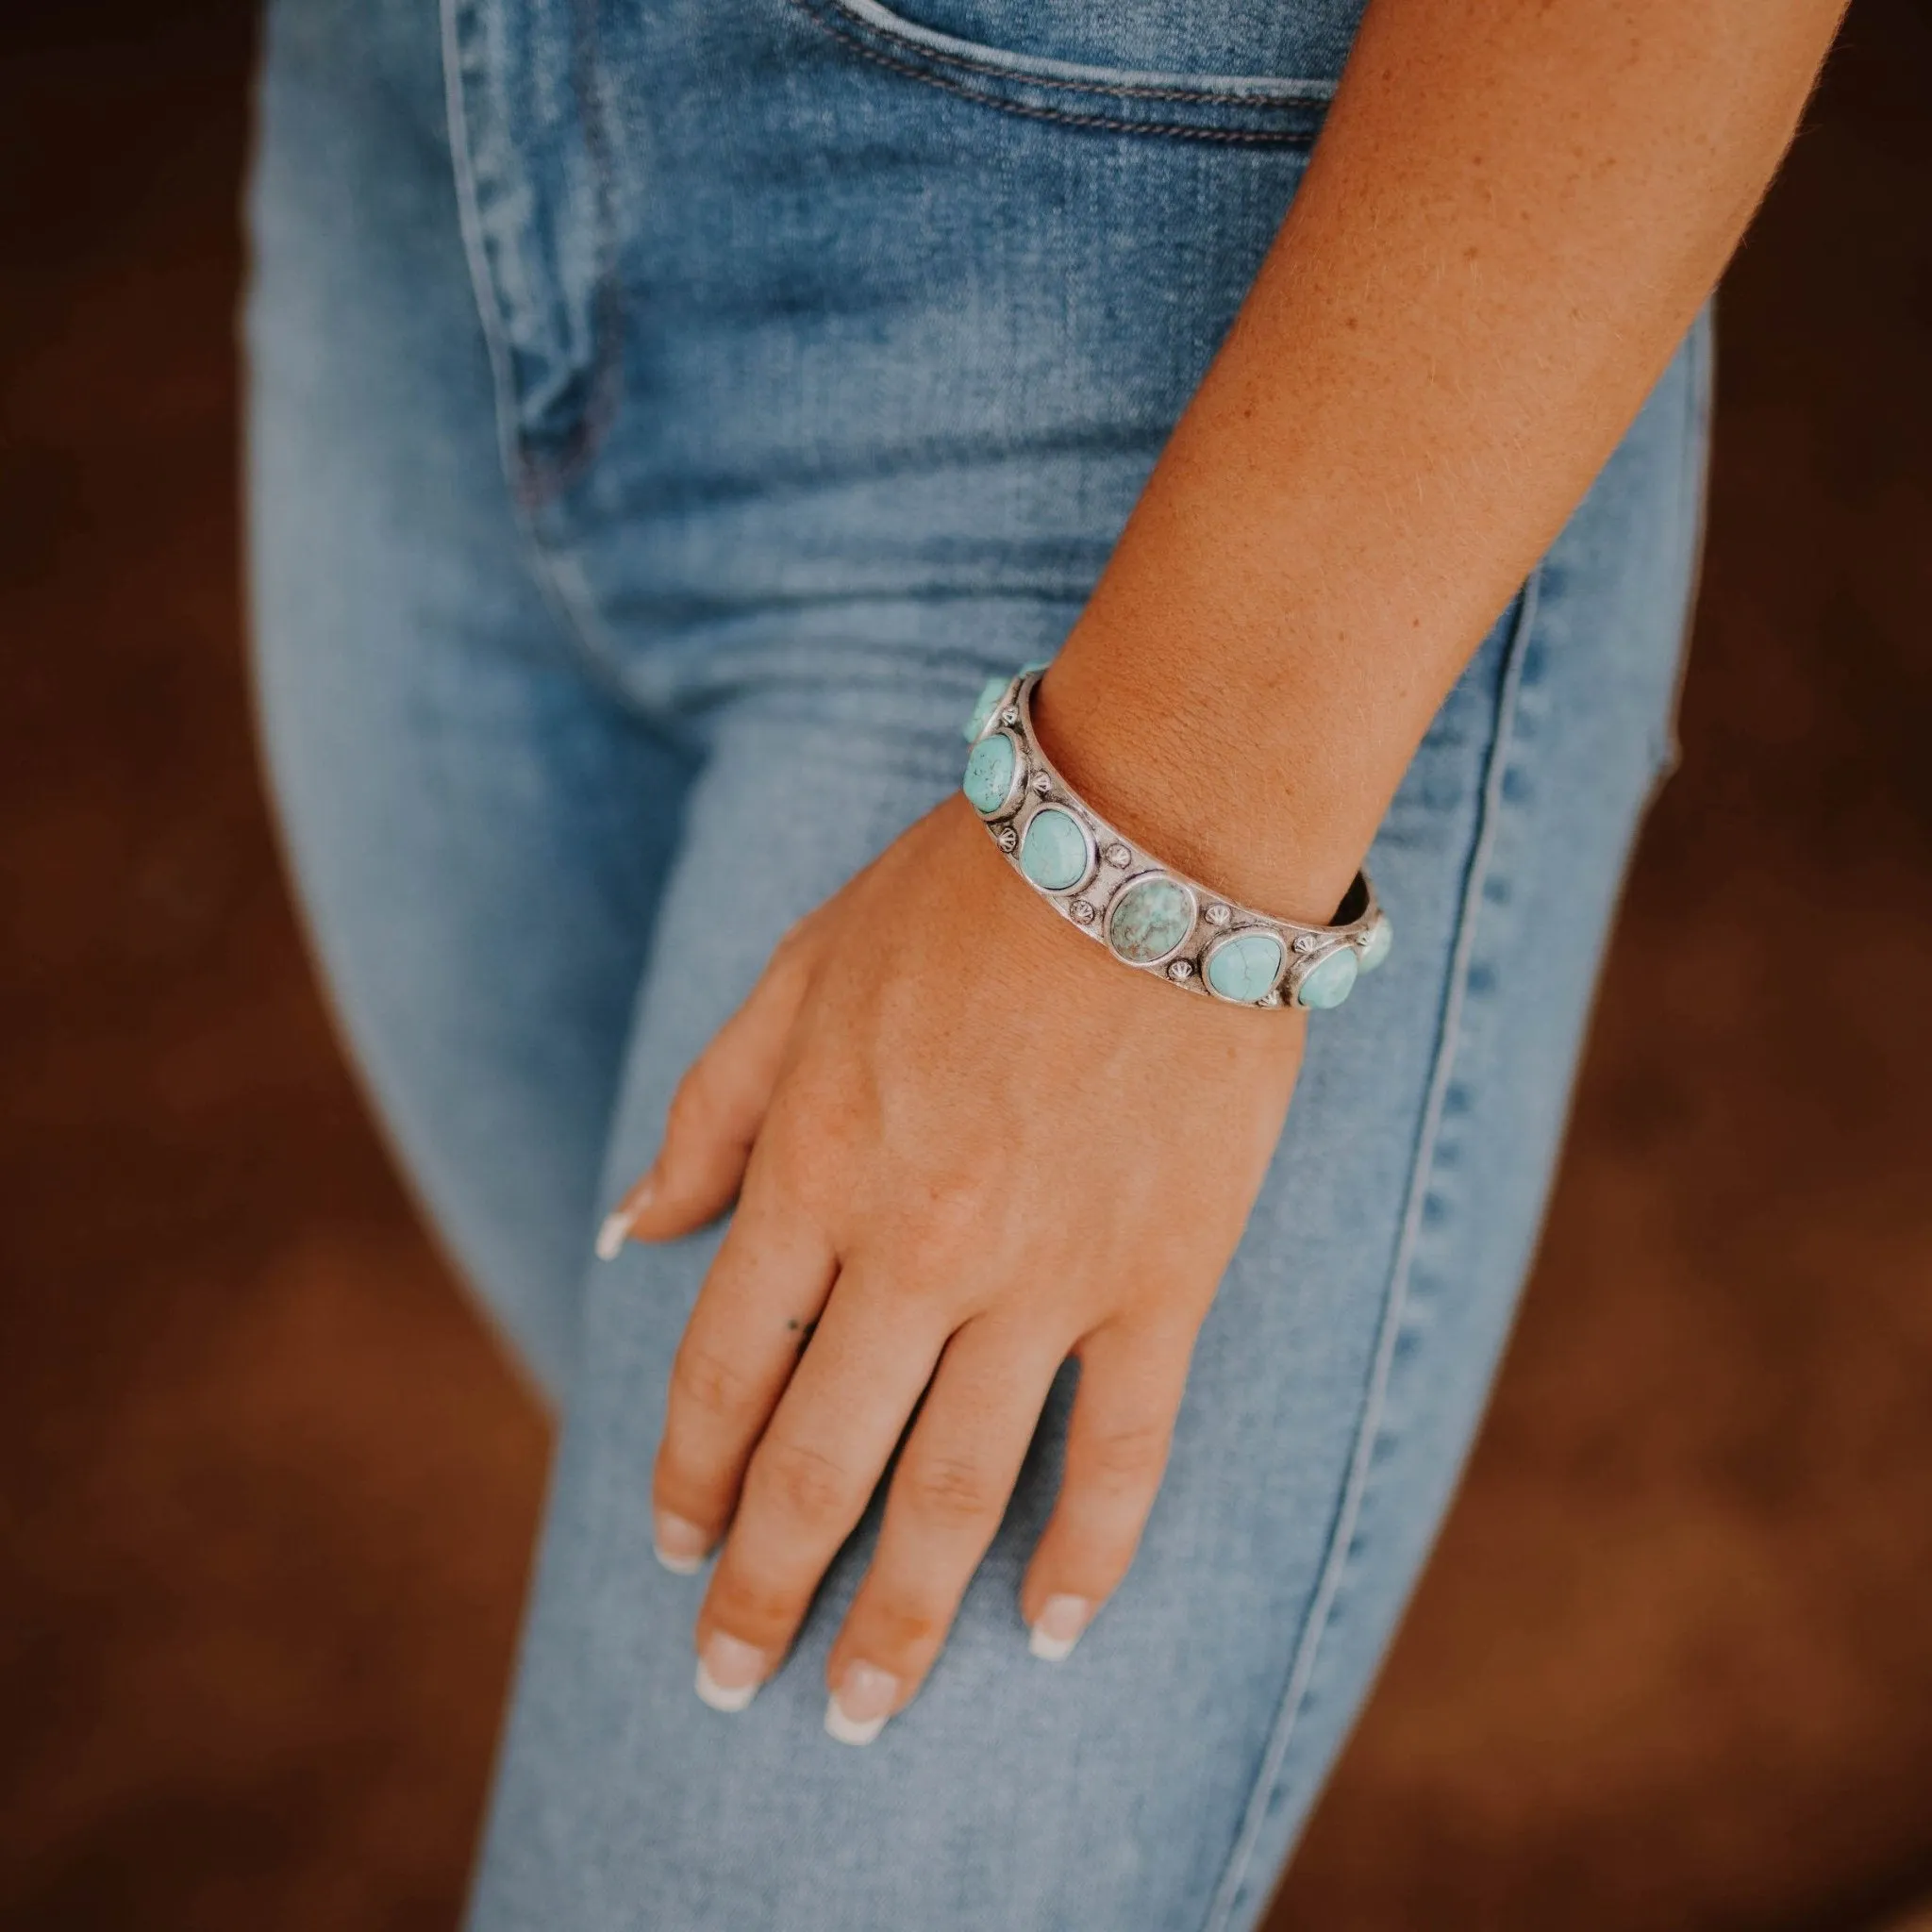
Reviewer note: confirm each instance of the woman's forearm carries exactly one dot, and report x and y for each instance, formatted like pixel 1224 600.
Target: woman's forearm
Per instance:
pixel 1514 212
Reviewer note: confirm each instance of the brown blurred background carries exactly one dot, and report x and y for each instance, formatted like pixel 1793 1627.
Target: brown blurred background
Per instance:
pixel 266 1494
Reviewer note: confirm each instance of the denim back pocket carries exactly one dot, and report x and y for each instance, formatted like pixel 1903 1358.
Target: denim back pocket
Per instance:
pixel 1240 70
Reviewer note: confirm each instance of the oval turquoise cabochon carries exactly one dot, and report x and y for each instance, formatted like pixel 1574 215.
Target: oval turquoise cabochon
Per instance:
pixel 1329 980
pixel 1053 853
pixel 990 695
pixel 1150 919
pixel 1246 966
pixel 990 772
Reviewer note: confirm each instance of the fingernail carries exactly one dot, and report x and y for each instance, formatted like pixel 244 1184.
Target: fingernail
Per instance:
pixel 1057 1629
pixel 729 1673
pixel 680 1546
pixel 612 1235
pixel 859 1709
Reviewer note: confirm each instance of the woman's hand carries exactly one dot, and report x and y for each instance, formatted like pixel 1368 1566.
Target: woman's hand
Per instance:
pixel 965 1145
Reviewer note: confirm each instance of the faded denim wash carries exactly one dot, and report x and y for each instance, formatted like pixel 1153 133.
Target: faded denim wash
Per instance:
pixel 665 416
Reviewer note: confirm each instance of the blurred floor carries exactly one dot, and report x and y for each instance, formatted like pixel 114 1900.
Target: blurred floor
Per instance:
pixel 265 1493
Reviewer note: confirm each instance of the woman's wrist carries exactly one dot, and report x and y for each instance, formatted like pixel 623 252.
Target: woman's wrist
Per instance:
pixel 1199 776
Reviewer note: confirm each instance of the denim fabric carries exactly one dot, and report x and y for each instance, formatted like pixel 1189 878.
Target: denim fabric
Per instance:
pixel 664 417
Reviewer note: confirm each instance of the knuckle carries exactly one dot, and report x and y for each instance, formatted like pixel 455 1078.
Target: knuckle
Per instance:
pixel 1127 1456
pixel 951 1489
pixel 805 1482
pixel 796 1156
pixel 751 1607
pixel 815 1138
pixel 920 1258
pixel 710 1383
pixel 944 1198
pixel 900 1625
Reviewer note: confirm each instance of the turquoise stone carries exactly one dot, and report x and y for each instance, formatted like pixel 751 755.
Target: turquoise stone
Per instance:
pixel 1381 938
pixel 990 772
pixel 1053 854
pixel 1246 966
pixel 1150 919
pixel 1330 980
pixel 982 707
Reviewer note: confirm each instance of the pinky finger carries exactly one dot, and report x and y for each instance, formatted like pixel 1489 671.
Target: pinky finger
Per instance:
pixel 1117 1442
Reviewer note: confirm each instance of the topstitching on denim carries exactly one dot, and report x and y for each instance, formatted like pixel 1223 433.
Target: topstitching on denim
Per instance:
pixel 1232 1894
pixel 462 59
pixel 1246 91
pixel 538 475
pixel 1251 137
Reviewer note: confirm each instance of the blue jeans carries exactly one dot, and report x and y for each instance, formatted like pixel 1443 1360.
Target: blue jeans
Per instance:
pixel 664 417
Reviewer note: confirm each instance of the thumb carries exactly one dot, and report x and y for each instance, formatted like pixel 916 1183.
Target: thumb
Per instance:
pixel 715 1115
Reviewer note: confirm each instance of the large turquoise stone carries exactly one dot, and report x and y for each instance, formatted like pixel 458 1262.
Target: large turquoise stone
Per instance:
pixel 1382 940
pixel 990 772
pixel 1053 854
pixel 1150 919
pixel 1246 966
pixel 990 694
pixel 1330 980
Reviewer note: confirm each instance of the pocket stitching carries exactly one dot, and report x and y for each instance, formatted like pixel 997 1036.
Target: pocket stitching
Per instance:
pixel 1308 93
pixel 1250 136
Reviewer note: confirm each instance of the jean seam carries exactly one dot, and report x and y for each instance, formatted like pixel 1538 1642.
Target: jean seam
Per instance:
pixel 577 625
pixel 549 477
pixel 1254 137
pixel 1230 1894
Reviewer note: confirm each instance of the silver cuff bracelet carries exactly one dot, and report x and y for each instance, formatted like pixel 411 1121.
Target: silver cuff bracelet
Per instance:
pixel 1146 914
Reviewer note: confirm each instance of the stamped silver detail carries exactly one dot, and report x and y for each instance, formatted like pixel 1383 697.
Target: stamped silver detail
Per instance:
pixel 1008 838
pixel 1010 715
pixel 1180 972
pixel 1042 785
pixel 1084 912
pixel 1271 998
pixel 1307 941
pixel 1220 915
pixel 1118 854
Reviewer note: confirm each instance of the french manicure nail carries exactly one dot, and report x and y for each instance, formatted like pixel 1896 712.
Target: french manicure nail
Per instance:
pixel 729 1673
pixel 858 1709
pixel 1057 1627
pixel 612 1235
pixel 680 1546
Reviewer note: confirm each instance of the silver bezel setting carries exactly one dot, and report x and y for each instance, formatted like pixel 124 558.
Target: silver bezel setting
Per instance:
pixel 1114 862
